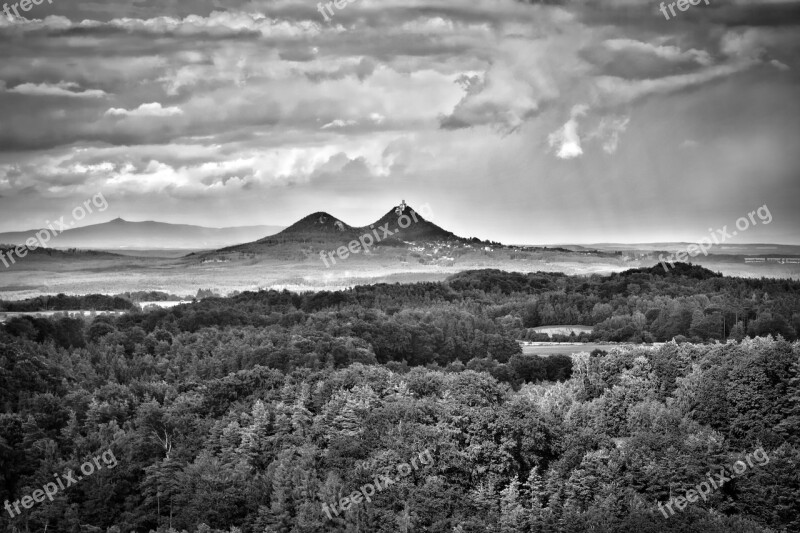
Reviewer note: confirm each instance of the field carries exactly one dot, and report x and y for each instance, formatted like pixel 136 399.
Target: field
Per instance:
pixel 563 330
pixel 112 274
pixel 562 348
pixel 301 270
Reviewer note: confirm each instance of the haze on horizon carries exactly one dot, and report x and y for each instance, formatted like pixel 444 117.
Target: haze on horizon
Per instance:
pixel 572 122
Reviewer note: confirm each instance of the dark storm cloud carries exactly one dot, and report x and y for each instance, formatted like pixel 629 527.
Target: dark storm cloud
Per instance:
pixel 626 58
pixel 727 13
pixel 779 13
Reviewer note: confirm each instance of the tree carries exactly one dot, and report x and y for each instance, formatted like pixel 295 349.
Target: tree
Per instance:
pixel 528 368
pixel 738 331
pixel 161 484
pixel 512 513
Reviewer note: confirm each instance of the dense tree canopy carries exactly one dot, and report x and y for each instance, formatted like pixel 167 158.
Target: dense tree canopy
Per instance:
pixel 249 413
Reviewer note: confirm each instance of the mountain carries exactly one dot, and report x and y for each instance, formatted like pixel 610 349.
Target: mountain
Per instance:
pixel 419 229
pixel 324 231
pixel 120 234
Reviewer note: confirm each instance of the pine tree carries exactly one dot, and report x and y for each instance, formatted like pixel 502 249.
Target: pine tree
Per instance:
pixel 789 426
pixel 537 494
pixel 512 514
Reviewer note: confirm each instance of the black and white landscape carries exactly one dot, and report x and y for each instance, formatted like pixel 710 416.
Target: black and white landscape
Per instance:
pixel 446 266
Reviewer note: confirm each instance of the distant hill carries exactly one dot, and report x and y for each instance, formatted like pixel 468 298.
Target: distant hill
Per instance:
pixel 39 258
pixel 727 248
pixel 120 234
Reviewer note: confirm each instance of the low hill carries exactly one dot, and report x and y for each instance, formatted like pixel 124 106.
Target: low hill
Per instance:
pixel 38 258
pixel 673 270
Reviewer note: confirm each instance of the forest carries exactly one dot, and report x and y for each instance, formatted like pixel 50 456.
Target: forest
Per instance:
pixel 248 413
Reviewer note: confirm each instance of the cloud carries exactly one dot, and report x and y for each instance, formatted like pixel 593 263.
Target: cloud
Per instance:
pixel 615 91
pixel 609 131
pixel 218 23
pixel 338 123
pixel 60 89
pixel 267 98
pixel 689 144
pixel 502 98
pixel 742 44
pixel 668 53
pixel 566 139
pixel 779 65
pixel 645 59
pixel 145 110
pixel 527 67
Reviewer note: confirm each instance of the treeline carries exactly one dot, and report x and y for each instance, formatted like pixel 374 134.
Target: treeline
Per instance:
pixel 62 302
pixel 472 315
pixel 151 296
pixel 642 305
pixel 97 302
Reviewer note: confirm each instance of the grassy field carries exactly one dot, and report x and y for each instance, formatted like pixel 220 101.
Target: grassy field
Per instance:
pixel 545 349
pixel 563 330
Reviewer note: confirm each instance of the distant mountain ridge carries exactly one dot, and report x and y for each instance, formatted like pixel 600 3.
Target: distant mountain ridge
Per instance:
pixel 121 234
pixel 728 248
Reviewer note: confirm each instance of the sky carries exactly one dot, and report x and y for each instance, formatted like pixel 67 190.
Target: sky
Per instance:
pixel 574 121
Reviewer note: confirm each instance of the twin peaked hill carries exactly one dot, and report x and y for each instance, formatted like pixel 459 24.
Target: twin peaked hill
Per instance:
pixel 326 231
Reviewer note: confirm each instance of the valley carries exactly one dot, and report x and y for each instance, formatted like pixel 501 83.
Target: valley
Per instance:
pixel 291 260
